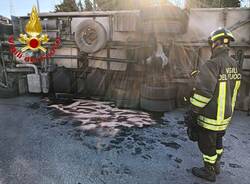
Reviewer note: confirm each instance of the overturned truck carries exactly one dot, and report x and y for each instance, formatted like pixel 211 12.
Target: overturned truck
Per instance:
pixel 138 59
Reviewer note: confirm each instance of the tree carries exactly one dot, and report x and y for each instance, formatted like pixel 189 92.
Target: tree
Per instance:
pixel 70 5
pixel 88 5
pixel 126 4
pixel 66 6
pixel 109 4
pixel 231 3
pixel 213 3
pixel 79 4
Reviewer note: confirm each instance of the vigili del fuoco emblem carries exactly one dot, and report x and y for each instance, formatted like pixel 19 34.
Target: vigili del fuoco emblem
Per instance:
pixel 33 41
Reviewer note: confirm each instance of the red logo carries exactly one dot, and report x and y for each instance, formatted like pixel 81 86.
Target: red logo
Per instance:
pixel 33 41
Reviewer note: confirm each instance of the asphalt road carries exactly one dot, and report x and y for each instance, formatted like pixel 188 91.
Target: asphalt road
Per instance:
pixel 92 142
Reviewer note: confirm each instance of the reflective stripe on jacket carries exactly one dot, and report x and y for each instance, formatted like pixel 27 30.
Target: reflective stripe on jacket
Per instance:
pixel 216 89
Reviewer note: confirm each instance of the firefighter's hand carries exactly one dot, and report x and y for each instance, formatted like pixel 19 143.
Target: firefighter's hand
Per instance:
pixel 192 134
pixel 190 118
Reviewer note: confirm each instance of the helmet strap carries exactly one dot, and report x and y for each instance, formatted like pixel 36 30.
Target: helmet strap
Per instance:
pixel 220 43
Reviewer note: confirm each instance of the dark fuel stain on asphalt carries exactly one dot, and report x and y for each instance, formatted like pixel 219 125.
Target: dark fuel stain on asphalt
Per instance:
pixel 173 145
pixel 234 165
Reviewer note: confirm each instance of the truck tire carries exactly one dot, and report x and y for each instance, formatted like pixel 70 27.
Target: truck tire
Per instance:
pixel 90 36
pixel 158 99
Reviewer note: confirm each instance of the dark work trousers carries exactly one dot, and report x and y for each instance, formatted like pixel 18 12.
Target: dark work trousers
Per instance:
pixel 210 141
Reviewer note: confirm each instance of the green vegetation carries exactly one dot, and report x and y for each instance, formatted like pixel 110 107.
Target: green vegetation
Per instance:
pixel 213 3
pixel 67 6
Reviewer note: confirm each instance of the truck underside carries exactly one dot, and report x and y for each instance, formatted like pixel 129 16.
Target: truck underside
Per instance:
pixel 138 59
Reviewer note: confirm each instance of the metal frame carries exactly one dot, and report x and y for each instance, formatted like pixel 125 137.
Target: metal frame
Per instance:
pixel 123 45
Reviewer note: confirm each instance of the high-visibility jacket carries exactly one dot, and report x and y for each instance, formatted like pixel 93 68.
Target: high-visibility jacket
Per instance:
pixel 216 88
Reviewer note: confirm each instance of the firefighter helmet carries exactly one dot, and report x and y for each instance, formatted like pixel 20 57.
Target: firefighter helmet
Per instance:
pixel 222 34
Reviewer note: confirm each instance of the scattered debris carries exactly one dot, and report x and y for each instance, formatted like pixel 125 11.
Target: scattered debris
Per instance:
pixel 234 165
pixel 234 136
pixel 173 145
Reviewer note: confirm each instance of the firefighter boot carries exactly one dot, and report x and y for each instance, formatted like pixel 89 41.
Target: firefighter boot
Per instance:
pixel 217 165
pixel 207 172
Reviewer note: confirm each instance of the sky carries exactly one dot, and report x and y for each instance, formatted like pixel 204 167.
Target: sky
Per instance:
pixel 23 7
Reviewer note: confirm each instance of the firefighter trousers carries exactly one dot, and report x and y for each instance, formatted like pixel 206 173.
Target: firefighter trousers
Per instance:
pixel 210 144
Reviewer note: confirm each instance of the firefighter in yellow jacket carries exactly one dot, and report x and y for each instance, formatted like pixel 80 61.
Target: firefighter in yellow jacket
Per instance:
pixel 213 102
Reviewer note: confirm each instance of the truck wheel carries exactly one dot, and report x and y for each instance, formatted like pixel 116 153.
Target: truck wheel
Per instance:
pixel 90 36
